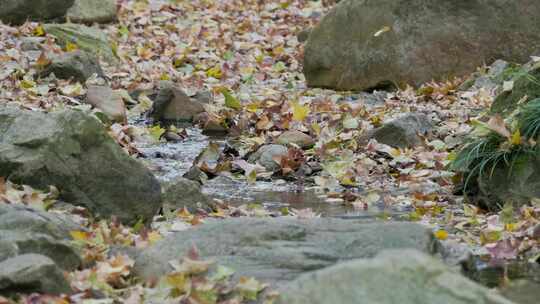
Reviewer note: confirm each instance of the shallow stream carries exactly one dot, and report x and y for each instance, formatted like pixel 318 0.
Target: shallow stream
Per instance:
pixel 170 160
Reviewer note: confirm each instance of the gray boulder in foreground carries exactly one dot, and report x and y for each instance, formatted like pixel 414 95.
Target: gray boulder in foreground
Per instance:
pixel 31 273
pixel 71 150
pixel 24 230
pixel 364 44
pixel 394 276
pixel 277 250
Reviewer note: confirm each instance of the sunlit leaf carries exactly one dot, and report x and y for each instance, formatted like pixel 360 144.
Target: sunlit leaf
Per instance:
pixel 230 100
pixel 300 112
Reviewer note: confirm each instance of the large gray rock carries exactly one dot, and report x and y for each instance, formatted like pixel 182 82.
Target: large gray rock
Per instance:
pixel 18 11
pixel 77 65
pixel 26 219
pixel 415 41
pixel 182 192
pixel 279 249
pixel 14 243
pixel 72 151
pixel 31 273
pixel 404 131
pixel 90 11
pixel 394 276
pixel 26 230
pixel 89 39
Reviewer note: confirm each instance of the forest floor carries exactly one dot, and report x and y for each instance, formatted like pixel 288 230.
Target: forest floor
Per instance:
pixel 248 55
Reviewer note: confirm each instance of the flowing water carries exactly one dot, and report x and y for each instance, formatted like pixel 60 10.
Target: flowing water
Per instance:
pixel 170 160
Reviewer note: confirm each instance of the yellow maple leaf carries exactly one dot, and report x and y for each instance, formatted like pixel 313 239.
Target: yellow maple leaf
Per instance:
pixel 214 72
pixel 39 31
pixel 441 234
pixel 71 46
pixel 300 112
pixel 79 235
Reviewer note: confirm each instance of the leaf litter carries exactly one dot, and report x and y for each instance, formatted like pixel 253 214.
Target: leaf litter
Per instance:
pixel 246 53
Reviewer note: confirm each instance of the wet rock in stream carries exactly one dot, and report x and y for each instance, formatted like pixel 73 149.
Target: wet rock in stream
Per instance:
pixel 394 276
pixel 277 250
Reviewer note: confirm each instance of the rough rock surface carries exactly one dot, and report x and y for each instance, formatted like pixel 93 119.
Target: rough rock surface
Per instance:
pixel 265 156
pixel 525 87
pixel 394 276
pixel 298 138
pixel 172 104
pixel 31 273
pixel 403 131
pixel 519 184
pixel 90 11
pixel 26 230
pixel 78 65
pixel 182 192
pixel 72 151
pixel 415 41
pixel 279 249
pixel 89 39
pixel 18 11
pixel 108 101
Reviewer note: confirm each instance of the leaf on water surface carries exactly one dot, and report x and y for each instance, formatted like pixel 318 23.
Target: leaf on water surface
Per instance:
pixel 156 132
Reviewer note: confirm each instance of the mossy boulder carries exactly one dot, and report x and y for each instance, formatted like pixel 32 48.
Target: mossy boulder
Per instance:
pixel 31 273
pixel 362 44
pixel 19 11
pixel 89 39
pixel 517 182
pixel 525 86
pixel 72 150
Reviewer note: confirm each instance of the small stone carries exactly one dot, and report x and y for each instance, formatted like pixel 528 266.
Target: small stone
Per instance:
pixel 78 65
pixel 295 137
pixel 196 174
pixel 265 156
pixel 172 104
pixel 31 43
pixel 182 192
pixel 171 136
pixel 108 101
pixel 29 273
pixel 204 97
pixel 536 232
pixel 404 131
